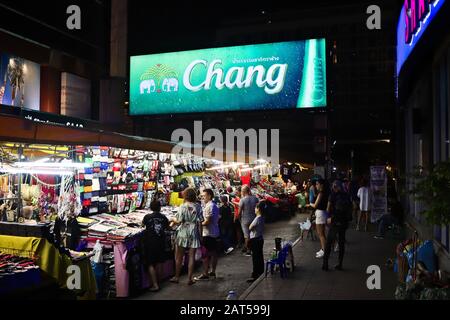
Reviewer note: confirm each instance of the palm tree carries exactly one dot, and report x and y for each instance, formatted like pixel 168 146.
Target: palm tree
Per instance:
pixel 158 73
pixel 16 76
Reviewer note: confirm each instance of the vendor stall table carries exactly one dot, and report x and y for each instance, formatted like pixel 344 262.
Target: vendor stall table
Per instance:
pixel 52 262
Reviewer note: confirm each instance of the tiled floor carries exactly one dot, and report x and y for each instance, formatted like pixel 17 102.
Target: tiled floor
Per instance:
pixel 232 271
pixel 309 282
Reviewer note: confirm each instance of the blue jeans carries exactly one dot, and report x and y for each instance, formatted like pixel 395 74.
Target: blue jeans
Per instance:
pixel 386 221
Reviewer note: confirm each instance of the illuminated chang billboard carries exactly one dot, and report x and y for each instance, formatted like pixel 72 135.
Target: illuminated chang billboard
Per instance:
pixel 284 75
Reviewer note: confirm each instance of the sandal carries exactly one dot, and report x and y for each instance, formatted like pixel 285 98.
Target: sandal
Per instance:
pixel 154 289
pixel 174 280
pixel 191 282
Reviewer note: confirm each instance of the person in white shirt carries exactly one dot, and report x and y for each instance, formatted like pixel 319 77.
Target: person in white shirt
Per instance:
pixel 365 205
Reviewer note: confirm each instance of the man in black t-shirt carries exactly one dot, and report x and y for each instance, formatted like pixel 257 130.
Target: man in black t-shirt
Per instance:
pixel 226 224
pixel 156 226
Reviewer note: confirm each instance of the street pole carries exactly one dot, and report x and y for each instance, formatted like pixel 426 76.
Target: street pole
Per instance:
pixel 352 164
pixel 19 187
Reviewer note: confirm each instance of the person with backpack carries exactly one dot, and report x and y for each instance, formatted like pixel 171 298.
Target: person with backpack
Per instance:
pixel 340 209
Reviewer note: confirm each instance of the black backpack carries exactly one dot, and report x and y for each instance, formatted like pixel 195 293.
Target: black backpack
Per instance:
pixel 343 210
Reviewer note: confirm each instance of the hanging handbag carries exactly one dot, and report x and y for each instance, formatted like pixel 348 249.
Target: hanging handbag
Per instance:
pixel 174 172
pixel 10 215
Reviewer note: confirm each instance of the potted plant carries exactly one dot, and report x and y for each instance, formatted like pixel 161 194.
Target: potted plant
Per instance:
pixel 433 189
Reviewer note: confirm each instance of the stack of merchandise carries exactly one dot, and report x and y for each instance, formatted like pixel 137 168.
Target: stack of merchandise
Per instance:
pixel 169 212
pixel 134 218
pixel 116 228
pixel 17 273
pixel 122 234
pixel 92 180
pixel 84 224
pixel 99 231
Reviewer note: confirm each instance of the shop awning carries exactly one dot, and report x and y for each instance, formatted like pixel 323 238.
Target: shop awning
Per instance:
pixel 17 129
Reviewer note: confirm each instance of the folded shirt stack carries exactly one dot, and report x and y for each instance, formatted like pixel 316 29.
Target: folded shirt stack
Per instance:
pixel 17 273
pixel 84 224
pixel 99 231
pixel 122 234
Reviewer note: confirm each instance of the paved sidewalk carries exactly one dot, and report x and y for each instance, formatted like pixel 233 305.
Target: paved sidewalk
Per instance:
pixel 309 282
pixel 232 271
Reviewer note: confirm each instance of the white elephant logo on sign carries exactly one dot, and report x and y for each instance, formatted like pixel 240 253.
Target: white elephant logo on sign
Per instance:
pixel 170 84
pixel 148 85
pixel 159 78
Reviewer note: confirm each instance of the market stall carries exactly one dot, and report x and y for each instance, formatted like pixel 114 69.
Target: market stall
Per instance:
pixel 94 195
pixel 81 199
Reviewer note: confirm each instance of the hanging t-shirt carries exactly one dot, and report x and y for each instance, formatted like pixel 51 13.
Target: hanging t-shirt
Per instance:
pixel 286 172
pixel 296 169
pixel 256 176
pixel 246 179
pixel 236 201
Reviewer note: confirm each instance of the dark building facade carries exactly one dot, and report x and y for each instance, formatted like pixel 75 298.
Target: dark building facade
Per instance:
pixel 79 69
pixel 361 77
pixel 423 67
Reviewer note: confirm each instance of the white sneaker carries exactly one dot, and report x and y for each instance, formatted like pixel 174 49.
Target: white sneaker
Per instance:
pixel 320 254
pixel 229 250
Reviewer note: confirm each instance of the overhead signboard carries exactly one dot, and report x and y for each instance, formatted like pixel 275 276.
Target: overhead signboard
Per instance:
pixel 415 17
pixel 284 75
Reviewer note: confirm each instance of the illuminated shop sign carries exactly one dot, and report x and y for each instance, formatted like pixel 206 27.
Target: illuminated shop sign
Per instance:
pixel 415 17
pixel 53 119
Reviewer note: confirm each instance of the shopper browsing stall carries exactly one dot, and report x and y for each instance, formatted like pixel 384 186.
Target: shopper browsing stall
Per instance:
pixel 188 234
pixel 156 225
pixel 321 214
pixel 247 208
pixel 257 241
pixel 211 236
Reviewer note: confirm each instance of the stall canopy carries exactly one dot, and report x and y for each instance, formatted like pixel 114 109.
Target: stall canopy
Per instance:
pixel 16 129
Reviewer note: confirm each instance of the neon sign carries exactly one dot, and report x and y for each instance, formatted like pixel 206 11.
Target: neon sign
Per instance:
pixel 414 19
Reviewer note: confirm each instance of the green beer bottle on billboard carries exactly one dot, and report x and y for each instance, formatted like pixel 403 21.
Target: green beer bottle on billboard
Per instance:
pixel 285 75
